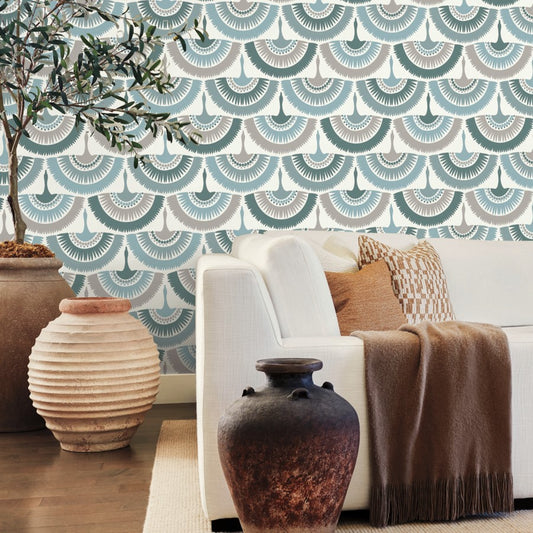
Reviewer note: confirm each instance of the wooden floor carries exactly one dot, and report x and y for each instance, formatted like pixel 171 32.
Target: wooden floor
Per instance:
pixel 46 490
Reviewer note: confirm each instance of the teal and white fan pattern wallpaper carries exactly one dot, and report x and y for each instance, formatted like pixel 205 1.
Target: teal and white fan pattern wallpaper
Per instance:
pixel 405 116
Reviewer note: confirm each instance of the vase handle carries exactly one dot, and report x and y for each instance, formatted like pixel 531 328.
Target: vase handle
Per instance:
pixel 327 385
pixel 298 393
pixel 247 391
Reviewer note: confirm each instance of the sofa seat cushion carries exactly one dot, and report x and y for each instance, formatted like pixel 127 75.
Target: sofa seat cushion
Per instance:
pixel 418 279
pixel 364 300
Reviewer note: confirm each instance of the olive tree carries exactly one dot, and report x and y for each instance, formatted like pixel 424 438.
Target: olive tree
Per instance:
pixel 42 67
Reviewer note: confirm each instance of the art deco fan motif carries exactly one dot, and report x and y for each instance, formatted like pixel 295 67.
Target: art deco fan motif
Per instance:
pixel 280 209
pixel 205 210
pixel 463 23
pixel 178 100
pixel 355 59
pixel 30 170
pixel 86 251
pixel 243 172
pixel 317 96
pixel 500 3
pixel 222 241
pixel 280 58
pixel 164 250
pixel 169 326
pixel 126 212
pixel 317 172
pixel 391 22
pixel 499 60
pixel 355 133
pixel 464 231
pixel 463 170
pixel 242 20
pixel 499 132
pixel 85 174
pixel 518 232
pixel 317 21
pixel 166 173
pixel 428 206
pixel 52 135
pixel 391 96
pixel 355 208
pixel 204 59
pixel 138 286
pixel 9 13
pixel 428 59
pixel 519 22
pixel 463 96
pixel 217 131
pixel 183 284
pixel 242 96
pixel 519 95
pixel 391 171
pixel 499 206
pixel 47 213
pixel 281 133
pixel 519 167
pixel 166 15
pixel 427 133
pixel 93 23
pixel 179 360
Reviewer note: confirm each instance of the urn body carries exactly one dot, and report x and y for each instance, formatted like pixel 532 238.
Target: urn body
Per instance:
pixel 288 451
pixel 93 374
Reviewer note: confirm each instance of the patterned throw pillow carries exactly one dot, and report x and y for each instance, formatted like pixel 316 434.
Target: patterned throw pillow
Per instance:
pixel 364 300
pixel 418 279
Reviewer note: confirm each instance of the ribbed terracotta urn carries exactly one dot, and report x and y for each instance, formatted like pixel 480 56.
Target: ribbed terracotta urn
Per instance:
pixel 288 451
pixel 30 292
pixel 93 374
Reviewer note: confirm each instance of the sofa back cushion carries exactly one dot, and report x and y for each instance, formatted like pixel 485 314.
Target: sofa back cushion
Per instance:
pixel 489 281
pixel 296 282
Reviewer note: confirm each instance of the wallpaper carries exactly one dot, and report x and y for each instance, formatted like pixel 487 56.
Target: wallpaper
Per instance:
pixel 411 117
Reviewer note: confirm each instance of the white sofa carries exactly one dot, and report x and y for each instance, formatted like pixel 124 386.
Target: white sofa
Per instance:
pixel 270 298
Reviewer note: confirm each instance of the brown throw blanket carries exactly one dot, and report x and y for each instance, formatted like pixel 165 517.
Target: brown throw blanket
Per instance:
pixel 439 404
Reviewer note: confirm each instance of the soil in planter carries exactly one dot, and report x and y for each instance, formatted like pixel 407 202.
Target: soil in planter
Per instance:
pixel 13 249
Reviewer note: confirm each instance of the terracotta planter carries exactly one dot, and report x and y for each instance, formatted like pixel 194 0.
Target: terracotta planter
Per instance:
pixel 288 451
pixel 30 289
pixel 93 374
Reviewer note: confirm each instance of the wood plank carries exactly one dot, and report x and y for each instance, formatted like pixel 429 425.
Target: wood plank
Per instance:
pixel 44 489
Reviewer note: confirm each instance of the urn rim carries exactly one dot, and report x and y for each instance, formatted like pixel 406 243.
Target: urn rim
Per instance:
pixel 94 304
pixel 288 365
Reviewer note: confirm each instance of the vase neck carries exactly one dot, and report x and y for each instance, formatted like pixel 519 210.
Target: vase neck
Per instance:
pixel 290 380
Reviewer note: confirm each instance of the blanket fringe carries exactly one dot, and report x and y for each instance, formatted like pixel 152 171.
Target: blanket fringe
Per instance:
pixel 447 499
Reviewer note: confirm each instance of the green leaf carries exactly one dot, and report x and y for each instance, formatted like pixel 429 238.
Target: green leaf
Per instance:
pixel 181 41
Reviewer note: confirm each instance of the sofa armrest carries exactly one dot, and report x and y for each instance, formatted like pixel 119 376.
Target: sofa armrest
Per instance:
pixel 236 325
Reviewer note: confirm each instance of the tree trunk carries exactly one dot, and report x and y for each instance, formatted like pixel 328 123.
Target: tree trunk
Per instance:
pixel 13 198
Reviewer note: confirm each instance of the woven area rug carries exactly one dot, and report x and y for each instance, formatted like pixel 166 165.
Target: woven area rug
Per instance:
pixel 174 504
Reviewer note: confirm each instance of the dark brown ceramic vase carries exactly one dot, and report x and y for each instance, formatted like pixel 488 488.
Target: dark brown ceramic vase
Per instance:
pixel 288 451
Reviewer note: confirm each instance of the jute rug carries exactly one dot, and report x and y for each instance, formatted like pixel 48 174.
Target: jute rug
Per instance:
pixel 174 503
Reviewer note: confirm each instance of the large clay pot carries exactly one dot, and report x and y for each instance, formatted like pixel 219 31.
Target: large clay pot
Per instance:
pixel 288 451
pixel 93 374
pixel 30 292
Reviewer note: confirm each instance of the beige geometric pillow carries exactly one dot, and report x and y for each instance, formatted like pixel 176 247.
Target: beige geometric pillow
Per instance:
pixel 418 279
